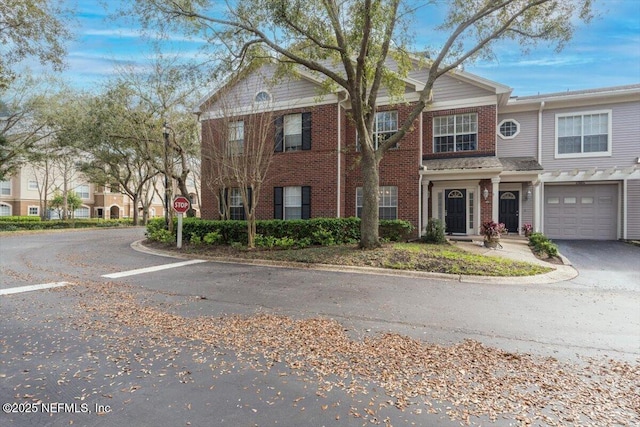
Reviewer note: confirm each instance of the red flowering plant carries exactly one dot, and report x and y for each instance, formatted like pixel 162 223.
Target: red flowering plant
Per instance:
pixel 492 230
pixel 527 229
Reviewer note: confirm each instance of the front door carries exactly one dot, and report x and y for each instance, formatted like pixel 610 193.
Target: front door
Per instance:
pixel 456 216
pixel 508 213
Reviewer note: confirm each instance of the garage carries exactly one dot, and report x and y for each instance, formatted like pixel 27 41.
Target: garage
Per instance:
pixel 580 211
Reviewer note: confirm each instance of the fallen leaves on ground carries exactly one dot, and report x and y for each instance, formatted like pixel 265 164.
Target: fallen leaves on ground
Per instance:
pixel 469 379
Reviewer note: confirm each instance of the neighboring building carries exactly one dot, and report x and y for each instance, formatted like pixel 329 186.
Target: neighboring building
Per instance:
pixel 22 195
pixel 566 163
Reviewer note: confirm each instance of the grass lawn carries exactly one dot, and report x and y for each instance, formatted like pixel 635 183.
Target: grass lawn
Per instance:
pixel 401 256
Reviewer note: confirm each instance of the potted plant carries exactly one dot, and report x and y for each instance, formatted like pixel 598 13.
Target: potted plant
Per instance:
pixel 527 229
pixel 492 231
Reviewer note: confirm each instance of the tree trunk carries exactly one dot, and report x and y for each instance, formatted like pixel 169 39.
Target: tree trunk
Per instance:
pixel 135 209
pixel 369 236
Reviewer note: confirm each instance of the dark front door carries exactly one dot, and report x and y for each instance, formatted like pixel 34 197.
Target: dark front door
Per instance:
pixel 509 210
pixel 456 216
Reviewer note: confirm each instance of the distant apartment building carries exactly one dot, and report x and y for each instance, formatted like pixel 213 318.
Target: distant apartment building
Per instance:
pixel 23 194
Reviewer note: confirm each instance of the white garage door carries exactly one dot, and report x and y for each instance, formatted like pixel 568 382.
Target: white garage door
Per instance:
pixel 581 211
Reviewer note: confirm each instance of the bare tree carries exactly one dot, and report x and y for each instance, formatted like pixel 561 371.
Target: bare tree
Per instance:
pixel 239 156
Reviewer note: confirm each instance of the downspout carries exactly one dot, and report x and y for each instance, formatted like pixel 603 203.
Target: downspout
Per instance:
pixel 538 201
pixel 625 212
pixel 540 132
pixel 339 159
pixel 420 211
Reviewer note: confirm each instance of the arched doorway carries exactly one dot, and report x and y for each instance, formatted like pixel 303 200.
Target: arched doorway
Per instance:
pixel 114 212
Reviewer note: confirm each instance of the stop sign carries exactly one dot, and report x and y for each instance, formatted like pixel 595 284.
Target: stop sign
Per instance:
pixel 181 204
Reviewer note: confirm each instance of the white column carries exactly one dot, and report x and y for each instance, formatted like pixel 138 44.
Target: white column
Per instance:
pixel 537 207
pixel 495 199
pixel 424 213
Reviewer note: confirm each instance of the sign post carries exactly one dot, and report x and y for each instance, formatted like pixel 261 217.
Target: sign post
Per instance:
pixel 181 205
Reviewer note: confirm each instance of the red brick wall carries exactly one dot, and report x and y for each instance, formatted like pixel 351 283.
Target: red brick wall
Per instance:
pixel 316 167
pixel 399 167
pixel 486 132
pixel 486 206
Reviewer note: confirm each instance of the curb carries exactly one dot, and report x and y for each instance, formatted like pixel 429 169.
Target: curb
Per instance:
pixel 559 274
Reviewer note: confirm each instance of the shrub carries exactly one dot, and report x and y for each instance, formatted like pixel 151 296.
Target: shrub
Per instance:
pixel 212 238
pixel 434 232
pixel 336 231
pixel 542 245
pixel 162 235
pixel 195 240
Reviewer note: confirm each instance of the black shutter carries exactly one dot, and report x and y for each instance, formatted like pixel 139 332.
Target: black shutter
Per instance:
pixel 277 202
pixel 249 197
pixel 306 131
pixel 279 134
pixel 306 202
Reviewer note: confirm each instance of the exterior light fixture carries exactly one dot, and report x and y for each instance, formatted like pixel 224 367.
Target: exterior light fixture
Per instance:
pixel 485 193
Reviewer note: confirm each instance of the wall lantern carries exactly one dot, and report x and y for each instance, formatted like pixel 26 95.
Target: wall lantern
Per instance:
pixel 485 193
pixel 528 195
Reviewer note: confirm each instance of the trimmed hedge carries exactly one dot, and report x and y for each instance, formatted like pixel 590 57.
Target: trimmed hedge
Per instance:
pixel 59 224
pixel 316 230
pixel 19 218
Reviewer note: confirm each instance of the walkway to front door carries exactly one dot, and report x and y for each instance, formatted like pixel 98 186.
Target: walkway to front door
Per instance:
pixel 456 213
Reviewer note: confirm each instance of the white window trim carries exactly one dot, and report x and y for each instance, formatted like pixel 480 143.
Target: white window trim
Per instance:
pixel 32 187
pixel 455 133
pixel 287 131
pixel 37 208
pixel 375 132
pixel 512 136
pixel 235 144
pixel 267 101
pixel 80 194
pixel 593 154
pixel 381 188
pixel 8 186
pixel 8 206
pixel 284 201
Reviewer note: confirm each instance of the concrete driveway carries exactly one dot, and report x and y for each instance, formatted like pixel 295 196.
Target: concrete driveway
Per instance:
pixel 603 264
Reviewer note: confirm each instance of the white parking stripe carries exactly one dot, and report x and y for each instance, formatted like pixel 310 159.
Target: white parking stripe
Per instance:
pixel 152 269
pixel 32 288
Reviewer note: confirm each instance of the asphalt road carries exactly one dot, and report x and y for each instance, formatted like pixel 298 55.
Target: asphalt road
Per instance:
pixel 67 345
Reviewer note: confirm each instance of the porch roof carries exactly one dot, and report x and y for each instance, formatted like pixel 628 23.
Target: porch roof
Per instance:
pixel 484 163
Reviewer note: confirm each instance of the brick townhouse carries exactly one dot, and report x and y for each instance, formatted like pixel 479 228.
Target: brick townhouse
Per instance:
pixel 475 154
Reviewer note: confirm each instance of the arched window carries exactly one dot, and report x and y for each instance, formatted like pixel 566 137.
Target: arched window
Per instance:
pixel 263 96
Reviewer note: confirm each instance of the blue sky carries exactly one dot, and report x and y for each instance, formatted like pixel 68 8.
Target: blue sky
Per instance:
pixel 605 53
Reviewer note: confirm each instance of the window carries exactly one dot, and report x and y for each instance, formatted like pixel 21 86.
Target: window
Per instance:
pixel 236 209
pixel 508 129
pixel 5 210
pixel 263 96
pixel 587 134
pixel 235 146
pixel 292 203
pixel 384 126
pixel 5 188
pixel 33 211
pixel 387 202
pixel 81 212
pixel 455 133
pixel 32 185
pixel 82 191
pixel 293 132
